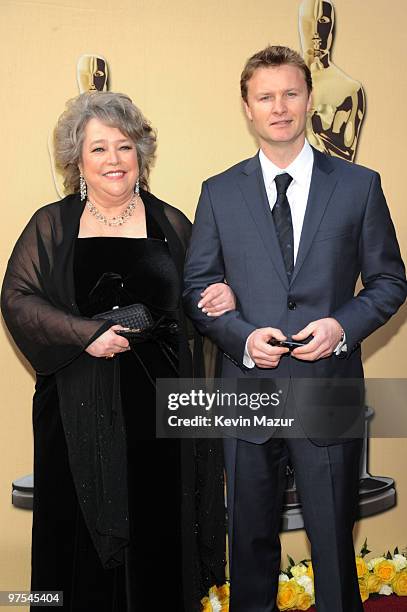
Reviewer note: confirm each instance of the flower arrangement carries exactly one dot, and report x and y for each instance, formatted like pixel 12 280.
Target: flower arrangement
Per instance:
pixel 383 575
pixel 296 586
pixel 217 600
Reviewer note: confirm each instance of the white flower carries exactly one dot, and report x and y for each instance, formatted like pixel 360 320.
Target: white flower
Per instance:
pixel 215 603
pixel 400 562
pixel 299 570
pixel 373 562
pixel 386 590
pixel 306 582
pixel 283 578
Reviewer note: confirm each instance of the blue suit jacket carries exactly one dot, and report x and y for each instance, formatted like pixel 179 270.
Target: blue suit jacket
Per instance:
pixel 347 232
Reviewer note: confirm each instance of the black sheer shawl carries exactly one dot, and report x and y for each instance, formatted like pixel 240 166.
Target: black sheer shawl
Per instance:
pixel 38 306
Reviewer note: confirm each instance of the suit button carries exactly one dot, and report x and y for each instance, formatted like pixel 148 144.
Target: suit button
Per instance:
pixel 291 304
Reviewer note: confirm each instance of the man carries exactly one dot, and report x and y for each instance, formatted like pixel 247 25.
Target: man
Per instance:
pixel 291 229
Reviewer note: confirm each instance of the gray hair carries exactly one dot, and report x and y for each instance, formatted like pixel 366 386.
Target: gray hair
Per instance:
pixel 113 109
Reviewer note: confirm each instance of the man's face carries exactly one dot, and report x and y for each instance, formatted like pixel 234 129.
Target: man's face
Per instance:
pixel 277 104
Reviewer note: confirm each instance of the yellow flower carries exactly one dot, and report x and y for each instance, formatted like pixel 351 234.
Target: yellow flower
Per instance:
pixel 223 596
pixel 304 601
pixel 361 567
pixel 374 584
pixel 385 570
pixel 287 594
pixel 310 570
pixel 299 570
pixel 399 583
pixel 206 605
pixel 373 562
pixel 363 588
pixel 217 596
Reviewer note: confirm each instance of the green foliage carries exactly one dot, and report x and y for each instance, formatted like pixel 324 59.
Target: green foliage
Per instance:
pixel 364 550
pixel 305 562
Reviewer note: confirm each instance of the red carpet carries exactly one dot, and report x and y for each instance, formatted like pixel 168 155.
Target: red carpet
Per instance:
pixel 390 603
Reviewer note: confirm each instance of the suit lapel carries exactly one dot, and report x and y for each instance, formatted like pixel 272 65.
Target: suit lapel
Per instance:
pixel 251 184
pixel 323 182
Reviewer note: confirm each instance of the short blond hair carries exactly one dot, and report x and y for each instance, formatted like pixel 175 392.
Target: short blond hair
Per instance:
pixel 273 56
pixel 113 109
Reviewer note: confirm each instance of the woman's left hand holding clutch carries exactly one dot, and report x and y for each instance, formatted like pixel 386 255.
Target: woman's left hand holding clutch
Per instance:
pixel 108 344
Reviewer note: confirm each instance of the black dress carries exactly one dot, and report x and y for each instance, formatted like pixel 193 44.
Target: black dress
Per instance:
pixel 86 479
pixel 108 272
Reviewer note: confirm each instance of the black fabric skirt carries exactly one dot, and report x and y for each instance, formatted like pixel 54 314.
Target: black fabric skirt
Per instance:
pixel 63 555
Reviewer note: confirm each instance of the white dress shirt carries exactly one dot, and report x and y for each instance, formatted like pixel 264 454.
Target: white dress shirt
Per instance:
pixel 297 195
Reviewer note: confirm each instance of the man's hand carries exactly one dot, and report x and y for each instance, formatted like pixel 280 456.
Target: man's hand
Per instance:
pixel 217 299
pixel 263 354
pixel 327 335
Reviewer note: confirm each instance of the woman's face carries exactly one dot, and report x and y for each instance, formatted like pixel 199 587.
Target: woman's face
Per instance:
pixel 109 163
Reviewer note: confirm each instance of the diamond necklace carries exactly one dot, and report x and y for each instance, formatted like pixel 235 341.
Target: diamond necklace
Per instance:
pixel 112 221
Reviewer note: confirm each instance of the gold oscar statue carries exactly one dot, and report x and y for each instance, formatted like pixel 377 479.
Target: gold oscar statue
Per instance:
pixel 92 75
pixel 338 106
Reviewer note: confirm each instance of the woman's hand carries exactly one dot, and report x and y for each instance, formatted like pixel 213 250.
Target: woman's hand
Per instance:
pixel 217 299
pixel 108 344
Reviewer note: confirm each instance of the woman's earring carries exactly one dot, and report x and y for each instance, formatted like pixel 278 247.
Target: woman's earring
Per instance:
pixel 137 187
pixel 83 188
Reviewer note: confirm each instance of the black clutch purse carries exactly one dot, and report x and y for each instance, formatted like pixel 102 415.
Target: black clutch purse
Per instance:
pixel 136 317
pixel 141 328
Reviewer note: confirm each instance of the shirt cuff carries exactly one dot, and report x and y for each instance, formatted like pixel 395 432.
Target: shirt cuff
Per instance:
pixel 247 360
pixel 341 347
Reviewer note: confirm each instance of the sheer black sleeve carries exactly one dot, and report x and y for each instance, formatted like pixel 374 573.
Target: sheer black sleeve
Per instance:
pixel 180 223
pixel 37 303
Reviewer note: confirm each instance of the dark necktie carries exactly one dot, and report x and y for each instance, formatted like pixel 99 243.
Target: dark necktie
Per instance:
pixel 283 223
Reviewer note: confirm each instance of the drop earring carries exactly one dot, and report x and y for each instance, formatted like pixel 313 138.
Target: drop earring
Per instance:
pixel 83 188
pixel 137 187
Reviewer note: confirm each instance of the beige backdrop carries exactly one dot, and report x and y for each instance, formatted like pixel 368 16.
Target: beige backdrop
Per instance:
pixel 180 61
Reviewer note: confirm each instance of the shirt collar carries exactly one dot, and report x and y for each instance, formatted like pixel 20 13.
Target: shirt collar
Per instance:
pixel 300 169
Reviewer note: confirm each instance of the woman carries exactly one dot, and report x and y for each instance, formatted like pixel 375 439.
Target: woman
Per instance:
pixel 116 523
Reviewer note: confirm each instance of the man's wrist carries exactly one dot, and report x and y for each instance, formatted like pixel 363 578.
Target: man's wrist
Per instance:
pixel 341 346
